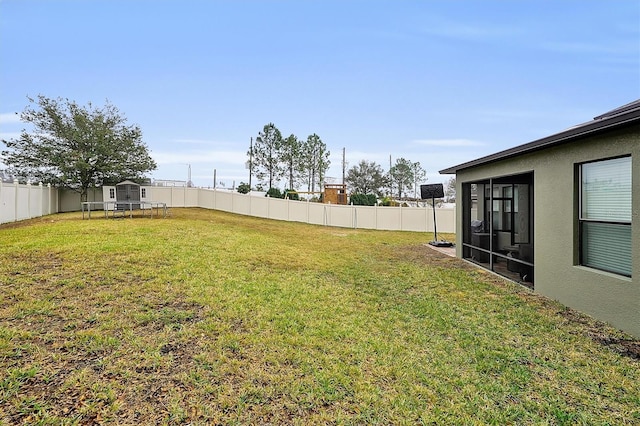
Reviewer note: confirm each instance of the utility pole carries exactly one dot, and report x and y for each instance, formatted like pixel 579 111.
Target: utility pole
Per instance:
pixel 250 161
pixel 415 181
pixel 344 164
pixel 390 181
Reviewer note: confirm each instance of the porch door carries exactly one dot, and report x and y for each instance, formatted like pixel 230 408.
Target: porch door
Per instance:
pixel 498 225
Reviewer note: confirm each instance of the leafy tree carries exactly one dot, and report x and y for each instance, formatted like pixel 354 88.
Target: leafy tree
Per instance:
pixel 244 188
pixel 419 175
pixel 401 176
pixel 77 147
pixel 366 178
pixel 267 152
pixel 291 157
pixel 450 190
pixel 404 175
pixel 314 161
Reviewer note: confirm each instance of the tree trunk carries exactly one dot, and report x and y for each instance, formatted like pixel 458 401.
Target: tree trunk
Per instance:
pixel 291 177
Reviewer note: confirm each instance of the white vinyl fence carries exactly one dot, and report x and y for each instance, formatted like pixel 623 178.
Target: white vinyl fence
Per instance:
pixel 26 201
pixel 20 201
pixel 418 219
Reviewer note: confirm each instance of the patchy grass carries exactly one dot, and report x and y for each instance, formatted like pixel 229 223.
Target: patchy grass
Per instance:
pixel 212 318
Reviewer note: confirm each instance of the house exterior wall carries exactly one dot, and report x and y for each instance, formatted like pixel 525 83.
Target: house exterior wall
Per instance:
pixel 558 275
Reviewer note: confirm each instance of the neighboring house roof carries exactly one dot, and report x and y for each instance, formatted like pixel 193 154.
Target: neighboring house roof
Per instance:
pixel 625 115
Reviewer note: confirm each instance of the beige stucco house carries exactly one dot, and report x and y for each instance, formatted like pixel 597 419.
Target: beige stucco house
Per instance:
pixel 561 215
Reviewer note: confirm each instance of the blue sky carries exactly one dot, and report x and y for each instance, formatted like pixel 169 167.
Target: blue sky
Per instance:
pixel 439 82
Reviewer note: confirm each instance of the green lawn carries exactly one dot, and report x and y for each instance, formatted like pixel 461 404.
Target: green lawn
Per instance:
pixel 212 318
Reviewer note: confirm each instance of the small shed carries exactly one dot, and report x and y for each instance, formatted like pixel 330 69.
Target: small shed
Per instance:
pixel 335 193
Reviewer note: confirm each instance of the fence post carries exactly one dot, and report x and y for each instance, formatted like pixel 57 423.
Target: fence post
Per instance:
pixel 15 205
pixel 49 198
pixel 41 212
pixel 29 199
pixel 355 216
pixel 375 214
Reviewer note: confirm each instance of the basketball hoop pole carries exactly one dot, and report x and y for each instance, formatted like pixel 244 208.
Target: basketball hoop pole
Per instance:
pixel 433 191
pixel 435 231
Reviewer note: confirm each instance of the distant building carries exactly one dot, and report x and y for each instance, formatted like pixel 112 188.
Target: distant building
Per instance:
pixel 335 193
pixel 168 182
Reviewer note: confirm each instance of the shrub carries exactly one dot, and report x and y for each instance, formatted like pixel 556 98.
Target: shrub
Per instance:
pixel 388 202
pixel 274 193
pixel 291 194
pixel 363 200
pixel 244 188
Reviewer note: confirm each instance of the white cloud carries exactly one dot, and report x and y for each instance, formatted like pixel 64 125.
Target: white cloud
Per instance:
pixel 9 118
pixel 448 142
pixel 212 157
pixel 357 156
pixel 9 135
pixel 508 114
pixel 198 142
pixel 621 48
pixel 460 30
